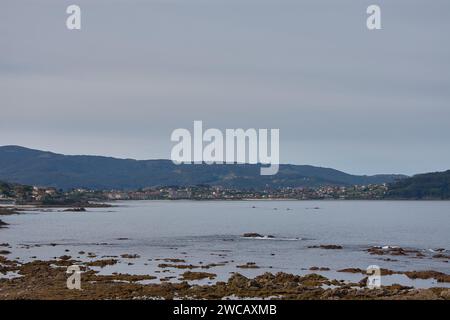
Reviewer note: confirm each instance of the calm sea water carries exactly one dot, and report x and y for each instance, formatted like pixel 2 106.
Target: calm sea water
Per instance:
pixel 211 232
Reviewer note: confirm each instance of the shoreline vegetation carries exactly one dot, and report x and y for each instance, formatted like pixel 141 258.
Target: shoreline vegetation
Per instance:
pixel 47 197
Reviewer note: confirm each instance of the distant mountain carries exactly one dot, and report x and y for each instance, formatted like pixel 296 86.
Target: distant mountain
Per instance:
pixel 435 185
pixel 34 167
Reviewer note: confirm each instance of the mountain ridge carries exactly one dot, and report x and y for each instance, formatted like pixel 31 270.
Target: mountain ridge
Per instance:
pixel 30 166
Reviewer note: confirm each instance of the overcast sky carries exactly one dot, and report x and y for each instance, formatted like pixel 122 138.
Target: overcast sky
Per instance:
pixel 342 96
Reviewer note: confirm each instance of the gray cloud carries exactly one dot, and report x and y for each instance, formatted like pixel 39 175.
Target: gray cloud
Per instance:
pixel 344 97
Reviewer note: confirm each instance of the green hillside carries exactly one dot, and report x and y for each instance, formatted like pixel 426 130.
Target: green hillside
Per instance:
pixel 434 185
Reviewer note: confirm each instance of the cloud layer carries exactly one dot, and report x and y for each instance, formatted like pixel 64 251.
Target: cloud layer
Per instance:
pixel 342 96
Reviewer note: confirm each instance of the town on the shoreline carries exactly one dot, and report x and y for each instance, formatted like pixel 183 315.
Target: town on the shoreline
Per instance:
pixel 20 194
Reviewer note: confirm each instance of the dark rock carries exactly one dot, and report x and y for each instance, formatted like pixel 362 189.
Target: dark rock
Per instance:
pixel 190 275
pixel 130 256
pixel 441 256
pixel 237 280
pixel 248 265
pixel 429 274
pixel 352 270
pixel 75 210
pixel 252 235
pixel 327 246
pixel 102 263
pixel 314 268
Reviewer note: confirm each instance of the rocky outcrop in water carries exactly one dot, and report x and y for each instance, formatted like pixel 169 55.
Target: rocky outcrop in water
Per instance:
pixel 75 210
pixel 256 235
pixel 326 246
pixel 3 224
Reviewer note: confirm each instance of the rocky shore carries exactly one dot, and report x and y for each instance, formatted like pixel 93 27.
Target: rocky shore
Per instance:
pixel 179 279
pixel 47 280
pixel 110 274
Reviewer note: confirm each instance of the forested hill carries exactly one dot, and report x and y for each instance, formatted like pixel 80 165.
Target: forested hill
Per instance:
pixel 42 168
pixel 435 185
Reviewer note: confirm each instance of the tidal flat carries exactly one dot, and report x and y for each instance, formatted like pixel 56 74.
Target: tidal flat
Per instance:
pixel 223 249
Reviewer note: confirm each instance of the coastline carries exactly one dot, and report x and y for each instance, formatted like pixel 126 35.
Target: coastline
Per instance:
pixel 47 280
pixel 48 277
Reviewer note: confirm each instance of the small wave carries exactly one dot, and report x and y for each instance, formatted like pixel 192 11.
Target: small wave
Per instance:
pixel 386 247
pixel 389 247
pixel 273 238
